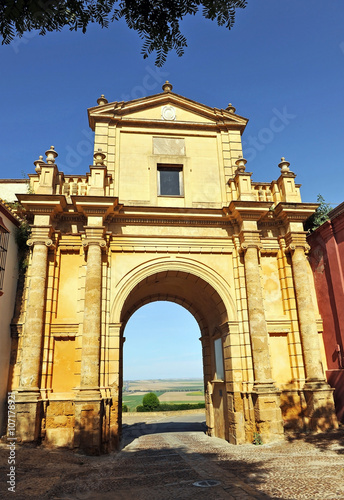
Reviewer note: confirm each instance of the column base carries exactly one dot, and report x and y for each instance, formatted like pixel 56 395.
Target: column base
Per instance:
pixel 236 419
pixel 320 412
pixel 29 414
pixel 88 394
pixel 267 412
pixel 88 425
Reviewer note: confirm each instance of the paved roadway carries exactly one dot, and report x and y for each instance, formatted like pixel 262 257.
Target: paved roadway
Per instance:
pixel 165 459
pixel 135 425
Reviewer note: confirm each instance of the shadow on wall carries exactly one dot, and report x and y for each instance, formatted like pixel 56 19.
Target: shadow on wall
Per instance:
pixel 336 380
pixel 296 416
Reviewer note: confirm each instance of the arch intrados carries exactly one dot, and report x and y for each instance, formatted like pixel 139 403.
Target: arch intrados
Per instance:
pixel 139 274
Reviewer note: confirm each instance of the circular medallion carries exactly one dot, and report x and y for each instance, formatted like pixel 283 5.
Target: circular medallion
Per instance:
pixel 168 113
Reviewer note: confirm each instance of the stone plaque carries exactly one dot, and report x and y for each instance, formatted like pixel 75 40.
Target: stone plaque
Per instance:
pixel 168 146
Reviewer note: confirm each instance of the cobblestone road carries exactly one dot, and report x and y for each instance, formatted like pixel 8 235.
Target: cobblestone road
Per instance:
pixel 165 466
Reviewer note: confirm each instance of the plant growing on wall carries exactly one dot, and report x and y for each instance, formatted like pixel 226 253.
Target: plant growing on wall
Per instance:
pixel 21 236
pixel 320 215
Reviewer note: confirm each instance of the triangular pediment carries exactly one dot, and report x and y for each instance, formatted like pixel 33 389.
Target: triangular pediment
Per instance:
pixel 167 108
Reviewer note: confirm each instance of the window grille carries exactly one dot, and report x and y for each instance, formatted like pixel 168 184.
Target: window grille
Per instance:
pixel 4 236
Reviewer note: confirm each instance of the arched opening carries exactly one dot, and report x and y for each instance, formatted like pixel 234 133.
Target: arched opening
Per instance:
pixel 162 342
pixel 204 302
pixel 162 353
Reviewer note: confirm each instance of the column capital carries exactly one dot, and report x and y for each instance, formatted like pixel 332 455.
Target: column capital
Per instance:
pixel 95 235
pixel 249 239
pixel 294 240
pixel 41 235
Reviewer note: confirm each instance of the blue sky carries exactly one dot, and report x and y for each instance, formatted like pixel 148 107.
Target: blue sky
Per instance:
pixel 281 58
pixel 162 341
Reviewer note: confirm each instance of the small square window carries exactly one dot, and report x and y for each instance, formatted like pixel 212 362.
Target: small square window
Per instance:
pixel 170 180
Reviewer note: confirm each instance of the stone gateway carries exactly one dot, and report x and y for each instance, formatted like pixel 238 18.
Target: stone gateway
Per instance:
pixel 167 211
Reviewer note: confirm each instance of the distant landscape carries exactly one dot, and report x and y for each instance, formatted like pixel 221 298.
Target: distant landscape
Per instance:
pixel 171 391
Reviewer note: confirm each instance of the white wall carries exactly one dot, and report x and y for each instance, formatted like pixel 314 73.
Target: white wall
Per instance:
pixel 10 187
pixel 7 302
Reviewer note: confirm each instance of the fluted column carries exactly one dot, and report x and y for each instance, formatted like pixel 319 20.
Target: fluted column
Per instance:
pixel 28 401
pixel 306 314
pixel 265 395
pixel 34 321
pixel 256 316
pixel 319 414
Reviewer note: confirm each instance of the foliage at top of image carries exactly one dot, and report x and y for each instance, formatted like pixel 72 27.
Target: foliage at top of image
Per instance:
pixel 320 215
pixel 156 21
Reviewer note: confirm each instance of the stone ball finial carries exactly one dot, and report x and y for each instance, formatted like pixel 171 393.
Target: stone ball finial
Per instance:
pixel 38 164
pixel 51 155
pixel 99 158
pixel 284 165
pixel 167 86
pixel 240 163
pixel 231 108
pixel 102 100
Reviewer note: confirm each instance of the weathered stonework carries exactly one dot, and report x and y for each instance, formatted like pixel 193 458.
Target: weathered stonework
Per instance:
pixel 230 250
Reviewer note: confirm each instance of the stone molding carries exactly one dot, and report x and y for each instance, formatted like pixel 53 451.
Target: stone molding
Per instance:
pixel 250 239
pixel 294 240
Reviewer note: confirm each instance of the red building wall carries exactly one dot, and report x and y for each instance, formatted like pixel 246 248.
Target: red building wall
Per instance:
pixel 327 261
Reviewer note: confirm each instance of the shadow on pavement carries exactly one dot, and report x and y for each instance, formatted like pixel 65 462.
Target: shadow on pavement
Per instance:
pixel 161 472
pixel 330 440
pixel 134 431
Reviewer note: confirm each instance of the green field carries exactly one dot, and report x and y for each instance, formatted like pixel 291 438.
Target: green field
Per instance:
pixel 183 402
pixel 196 393
pixel 133 401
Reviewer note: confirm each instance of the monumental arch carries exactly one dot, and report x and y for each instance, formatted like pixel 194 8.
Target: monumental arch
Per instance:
pixel 167 211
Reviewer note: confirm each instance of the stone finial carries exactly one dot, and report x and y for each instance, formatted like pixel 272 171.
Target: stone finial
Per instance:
pixel 102 100
pixel 284 166
pixel 38 164
pixel 167 87
pixel 240 163
pixel 99 158
pixel 231 108
pixel 51 155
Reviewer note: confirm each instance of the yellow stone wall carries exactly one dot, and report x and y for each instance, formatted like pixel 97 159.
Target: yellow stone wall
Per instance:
pixel 228 249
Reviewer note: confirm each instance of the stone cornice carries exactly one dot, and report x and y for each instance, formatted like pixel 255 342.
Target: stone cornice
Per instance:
pixel 119 112
pixel 43 204
pixel 294 212
pixel 96 205
pixel 240 211
pixel 336 212
pixel 177 244
pixel 121 109
pixel 171 221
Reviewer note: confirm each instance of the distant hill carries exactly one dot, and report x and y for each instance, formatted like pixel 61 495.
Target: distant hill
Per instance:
pixel 175 384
